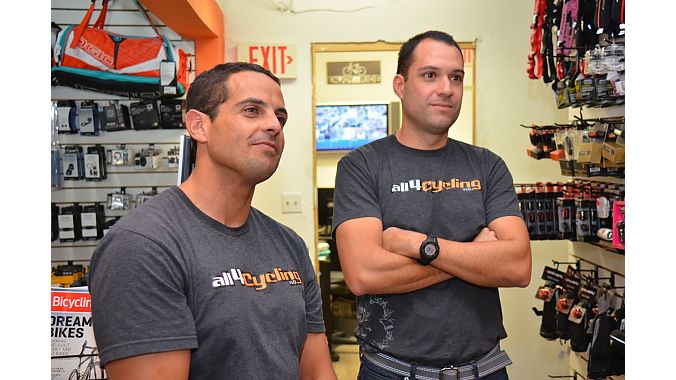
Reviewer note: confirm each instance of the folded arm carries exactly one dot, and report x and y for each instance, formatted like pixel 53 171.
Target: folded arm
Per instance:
pixel 371 269
pixel 503 262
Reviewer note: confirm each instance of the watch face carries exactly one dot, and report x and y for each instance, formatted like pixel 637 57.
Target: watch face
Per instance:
pixel 430 250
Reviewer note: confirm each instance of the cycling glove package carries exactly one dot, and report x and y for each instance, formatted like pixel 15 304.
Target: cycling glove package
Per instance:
pixel 586 313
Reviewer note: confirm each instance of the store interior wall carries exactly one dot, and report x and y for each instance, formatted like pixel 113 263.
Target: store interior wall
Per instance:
pixel 327 93
pixel 326 161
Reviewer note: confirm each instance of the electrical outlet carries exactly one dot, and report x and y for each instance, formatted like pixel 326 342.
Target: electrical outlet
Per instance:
pixel 292 203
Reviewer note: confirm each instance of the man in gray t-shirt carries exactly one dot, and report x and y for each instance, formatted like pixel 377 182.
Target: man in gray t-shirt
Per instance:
pixel 427 228
pixel 196 283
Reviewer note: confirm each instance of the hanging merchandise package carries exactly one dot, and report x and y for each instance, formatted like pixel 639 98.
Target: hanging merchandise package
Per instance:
pixel 91 58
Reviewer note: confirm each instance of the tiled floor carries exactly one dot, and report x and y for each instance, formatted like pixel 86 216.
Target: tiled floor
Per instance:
pixel 347 365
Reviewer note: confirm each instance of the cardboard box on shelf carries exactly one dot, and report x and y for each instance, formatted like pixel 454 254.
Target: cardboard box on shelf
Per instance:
pixel 590 152
pixel 612 151
pixel 586 169
pixel 567 168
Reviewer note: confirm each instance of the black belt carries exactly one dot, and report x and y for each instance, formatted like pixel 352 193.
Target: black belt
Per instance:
pixel 495 360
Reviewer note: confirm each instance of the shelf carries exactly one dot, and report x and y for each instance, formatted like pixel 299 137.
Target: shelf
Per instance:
pixel 128 137
pixel 608 246
pixel 597 255
pixel 75 244
pixel 613 180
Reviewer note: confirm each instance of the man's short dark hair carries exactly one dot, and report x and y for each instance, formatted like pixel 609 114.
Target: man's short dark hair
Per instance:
pixel 209 89
pixel 406 50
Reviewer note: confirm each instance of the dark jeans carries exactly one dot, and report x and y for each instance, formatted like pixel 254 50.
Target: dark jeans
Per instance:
pixel 370 371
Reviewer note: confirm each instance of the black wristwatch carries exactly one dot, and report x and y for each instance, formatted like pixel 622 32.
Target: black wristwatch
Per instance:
pixel 429 250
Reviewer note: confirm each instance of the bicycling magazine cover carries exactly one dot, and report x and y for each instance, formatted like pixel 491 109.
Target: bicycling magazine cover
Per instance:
pixel 74 352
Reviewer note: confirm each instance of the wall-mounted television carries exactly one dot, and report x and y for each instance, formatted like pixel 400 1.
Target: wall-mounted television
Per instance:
pixel 349 126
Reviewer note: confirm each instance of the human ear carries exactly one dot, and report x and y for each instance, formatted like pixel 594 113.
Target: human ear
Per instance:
pixel 398 85
pixel 197 124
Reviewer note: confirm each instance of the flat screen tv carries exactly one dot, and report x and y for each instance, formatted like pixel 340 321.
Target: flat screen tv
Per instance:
pixel 348 126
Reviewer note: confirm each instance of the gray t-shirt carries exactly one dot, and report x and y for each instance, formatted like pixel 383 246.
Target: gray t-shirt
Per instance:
pixel 450 193
pixel 168 277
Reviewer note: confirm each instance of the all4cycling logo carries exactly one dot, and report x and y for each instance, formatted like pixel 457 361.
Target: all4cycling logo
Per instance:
pixel 436 186
pixel 258 282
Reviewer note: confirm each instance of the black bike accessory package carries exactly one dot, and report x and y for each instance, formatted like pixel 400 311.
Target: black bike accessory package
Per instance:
pixel 171 114
pixel 95 163
pixel 579 317
pixel 70 227
pixel 114 117
pixel 173 155
pixel 566 212
pixel 73 162
pixel 120 156
pixel 148 158
pixel 540 214
pixel 551 223
pixel 548 324
pixel 168 82
pixel 66 116
pixel 531 216
pixel 144 197
pixel 564 303
pixel 93 217
pixel 88 118
pixel 561 95
pixel 617 342
pixel 521 198
pixel 602 361
pixel 55 222
pixel 145 114
pixel 593 223
pixel 586 210
pixel 548 313
pixel 109 223
pixel 120 200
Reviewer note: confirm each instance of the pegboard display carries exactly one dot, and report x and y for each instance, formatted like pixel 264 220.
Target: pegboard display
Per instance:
pixel 109 153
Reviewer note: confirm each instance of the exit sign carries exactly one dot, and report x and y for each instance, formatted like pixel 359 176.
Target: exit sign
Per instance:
pixel 280 59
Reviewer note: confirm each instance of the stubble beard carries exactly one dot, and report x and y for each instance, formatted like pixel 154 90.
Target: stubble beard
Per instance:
pixel 259 170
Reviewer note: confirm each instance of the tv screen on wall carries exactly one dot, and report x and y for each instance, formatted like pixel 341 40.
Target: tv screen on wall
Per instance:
pixel 348 126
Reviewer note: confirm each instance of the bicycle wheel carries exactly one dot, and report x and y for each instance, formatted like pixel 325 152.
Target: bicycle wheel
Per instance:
pixel 89 372
pixel 73 375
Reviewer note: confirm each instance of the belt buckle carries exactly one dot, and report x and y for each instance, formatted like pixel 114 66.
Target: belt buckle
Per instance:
pixel 451 368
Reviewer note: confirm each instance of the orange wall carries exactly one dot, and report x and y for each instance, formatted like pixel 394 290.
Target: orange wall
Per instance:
pixel 199 20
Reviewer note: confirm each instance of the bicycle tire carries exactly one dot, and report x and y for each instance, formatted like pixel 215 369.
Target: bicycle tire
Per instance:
pixel 88 371
pixel 73 375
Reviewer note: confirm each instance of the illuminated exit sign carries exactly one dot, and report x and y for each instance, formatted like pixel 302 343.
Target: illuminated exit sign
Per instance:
pixel 280 59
